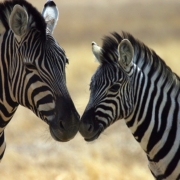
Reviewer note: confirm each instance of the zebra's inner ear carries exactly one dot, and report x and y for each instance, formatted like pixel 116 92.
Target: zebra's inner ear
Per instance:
pixel 18 20
pixel 96 51
pixel 126 53
pixel 50 14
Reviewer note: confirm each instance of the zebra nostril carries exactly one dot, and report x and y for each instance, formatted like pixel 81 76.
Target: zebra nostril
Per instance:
pixel 90 128
pixel 61 125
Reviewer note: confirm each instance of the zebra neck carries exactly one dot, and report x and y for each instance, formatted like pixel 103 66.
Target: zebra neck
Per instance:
pixel 156 108
pixel 7 101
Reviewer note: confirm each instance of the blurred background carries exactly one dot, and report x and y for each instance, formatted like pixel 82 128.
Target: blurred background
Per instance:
pixel 31 153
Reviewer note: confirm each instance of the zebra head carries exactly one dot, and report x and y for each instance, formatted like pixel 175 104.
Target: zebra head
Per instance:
pixel 111 96
pixel 40 69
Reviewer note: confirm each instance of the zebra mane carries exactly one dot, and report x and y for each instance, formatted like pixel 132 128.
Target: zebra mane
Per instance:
pixel 35 16
pixel 143 54
pixel 110 46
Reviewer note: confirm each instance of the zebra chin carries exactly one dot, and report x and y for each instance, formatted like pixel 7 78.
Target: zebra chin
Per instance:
pixel 60 132
pixel 95 135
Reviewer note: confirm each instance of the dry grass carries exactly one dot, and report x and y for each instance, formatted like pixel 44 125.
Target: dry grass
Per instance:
pixel 31 153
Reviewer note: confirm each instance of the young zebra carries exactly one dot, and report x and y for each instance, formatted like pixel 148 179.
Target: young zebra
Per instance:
pixel 32 69
pixel 134 83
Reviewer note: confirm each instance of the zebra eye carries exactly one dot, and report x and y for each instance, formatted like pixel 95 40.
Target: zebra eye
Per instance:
pixel 114 88
pixel 30 66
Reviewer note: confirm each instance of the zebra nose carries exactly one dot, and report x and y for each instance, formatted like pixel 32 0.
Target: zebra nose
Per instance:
pixel 87 124
pixel 86 129
pixel 89 128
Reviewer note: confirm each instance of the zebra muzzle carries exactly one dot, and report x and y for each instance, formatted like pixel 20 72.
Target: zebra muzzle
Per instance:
pixel 59 133
pixel 91 132
pixel 64 130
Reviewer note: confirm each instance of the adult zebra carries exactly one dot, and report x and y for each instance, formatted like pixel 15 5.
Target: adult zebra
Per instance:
pixel 134 83
pixel 32 69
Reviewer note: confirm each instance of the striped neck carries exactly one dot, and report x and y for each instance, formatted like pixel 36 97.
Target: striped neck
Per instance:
pixel 156 97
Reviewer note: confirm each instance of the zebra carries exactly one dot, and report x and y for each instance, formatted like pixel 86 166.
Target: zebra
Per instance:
pixel 133 83
pixel 32 69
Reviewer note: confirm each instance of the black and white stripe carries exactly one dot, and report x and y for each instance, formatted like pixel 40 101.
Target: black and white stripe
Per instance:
pixel 146 93
pixel 32 69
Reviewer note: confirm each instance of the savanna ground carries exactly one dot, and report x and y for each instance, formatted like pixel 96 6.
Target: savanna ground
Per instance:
pixel 31 153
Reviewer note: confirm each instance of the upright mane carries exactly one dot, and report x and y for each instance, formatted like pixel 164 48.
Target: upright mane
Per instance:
pixel 35 18
pixel 110 45
pixel 143 55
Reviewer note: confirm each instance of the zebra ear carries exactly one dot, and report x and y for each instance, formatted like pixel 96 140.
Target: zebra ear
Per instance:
pixel 96 51
pixel 50 14
pixel 18 20
pixel 126 53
